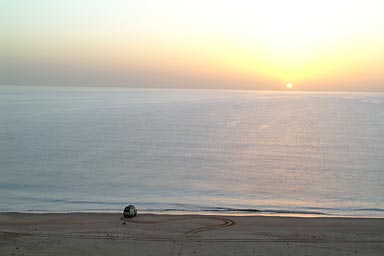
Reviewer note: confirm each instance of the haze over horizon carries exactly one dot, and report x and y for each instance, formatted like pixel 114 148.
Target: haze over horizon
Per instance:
pixel 313 45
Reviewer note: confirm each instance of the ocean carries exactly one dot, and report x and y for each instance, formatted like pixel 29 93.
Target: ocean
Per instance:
pixel 65 149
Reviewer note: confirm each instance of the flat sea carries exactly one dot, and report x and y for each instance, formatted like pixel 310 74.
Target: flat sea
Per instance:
pixel 68 149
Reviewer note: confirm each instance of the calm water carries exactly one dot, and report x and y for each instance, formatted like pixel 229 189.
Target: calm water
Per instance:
pixel 86 149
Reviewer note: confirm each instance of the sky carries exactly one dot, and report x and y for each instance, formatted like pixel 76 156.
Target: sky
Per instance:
pixel 331 45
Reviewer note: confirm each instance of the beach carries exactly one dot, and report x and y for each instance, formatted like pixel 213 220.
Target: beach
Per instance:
pixel 150 234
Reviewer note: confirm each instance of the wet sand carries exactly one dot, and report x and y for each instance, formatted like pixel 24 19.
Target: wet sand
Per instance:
pixel 104 234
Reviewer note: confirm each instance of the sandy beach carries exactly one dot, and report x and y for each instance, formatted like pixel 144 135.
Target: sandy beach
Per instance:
pixel 104 234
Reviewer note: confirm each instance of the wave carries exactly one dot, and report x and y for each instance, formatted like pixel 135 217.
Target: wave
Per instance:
pixel 314 211
pixel 64 205
pixel 241 210
pixel 270 211
pixel 368 210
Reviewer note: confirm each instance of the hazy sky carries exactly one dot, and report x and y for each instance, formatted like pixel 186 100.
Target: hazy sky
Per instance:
pixel 316 45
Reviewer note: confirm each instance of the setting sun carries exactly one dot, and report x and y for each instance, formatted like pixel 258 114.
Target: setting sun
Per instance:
pixel 289 86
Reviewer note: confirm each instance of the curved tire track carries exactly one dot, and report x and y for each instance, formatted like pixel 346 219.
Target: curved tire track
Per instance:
pixel 226 223
pixel 184 237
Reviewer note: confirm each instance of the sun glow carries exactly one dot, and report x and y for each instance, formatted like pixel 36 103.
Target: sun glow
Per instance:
pixel 302 41
pixel 289 86
pixel 252 44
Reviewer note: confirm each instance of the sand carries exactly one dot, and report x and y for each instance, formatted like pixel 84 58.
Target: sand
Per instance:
pixel 104 234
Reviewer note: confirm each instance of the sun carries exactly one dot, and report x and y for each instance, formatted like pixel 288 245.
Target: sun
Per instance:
pixel 289 86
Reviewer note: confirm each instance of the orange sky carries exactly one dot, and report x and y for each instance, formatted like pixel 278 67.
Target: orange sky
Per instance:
pixel 316 45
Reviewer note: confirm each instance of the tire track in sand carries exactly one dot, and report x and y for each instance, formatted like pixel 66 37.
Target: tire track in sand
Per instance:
pixel 180 240
pixel 177 243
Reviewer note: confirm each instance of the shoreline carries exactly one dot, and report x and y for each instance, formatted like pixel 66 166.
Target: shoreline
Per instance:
pixel 169 234
pixel 208 213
